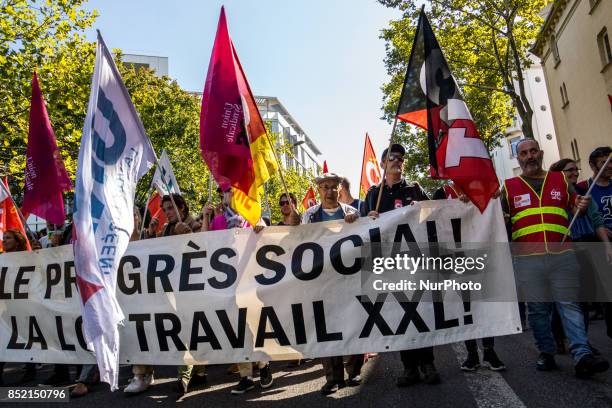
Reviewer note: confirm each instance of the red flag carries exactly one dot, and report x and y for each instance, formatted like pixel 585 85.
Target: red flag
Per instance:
pixel 325 170
pixel 309 199
pixel 370 169
pixel 10 219
pixel 431 99
pixel 45 175
pixel 233 137
pixel 156 211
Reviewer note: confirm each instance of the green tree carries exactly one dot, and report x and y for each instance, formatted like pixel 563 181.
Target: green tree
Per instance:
pixel 171 118
pixel 46 36
pixel 297 181
pixel 486 43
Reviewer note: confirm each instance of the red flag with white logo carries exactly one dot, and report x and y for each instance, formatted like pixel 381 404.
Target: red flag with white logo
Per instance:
pixel 370 169
pixel 431 99
pixel 309 199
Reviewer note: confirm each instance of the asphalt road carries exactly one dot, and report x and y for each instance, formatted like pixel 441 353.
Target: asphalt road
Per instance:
pixel 520 386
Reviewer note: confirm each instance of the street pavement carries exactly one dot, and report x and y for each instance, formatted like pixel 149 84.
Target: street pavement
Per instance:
pixel 519 386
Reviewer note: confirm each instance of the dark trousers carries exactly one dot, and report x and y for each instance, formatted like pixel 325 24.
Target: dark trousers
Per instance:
pixel 608 318
pixel 334 367
pixel 472 347
pixel 417 357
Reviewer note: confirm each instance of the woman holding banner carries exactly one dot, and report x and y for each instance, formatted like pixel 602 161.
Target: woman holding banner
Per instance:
pixel 14 241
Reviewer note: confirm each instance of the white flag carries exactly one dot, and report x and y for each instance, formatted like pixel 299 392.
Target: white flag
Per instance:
pixel 115 152
pixel 163 179
pixel 4 194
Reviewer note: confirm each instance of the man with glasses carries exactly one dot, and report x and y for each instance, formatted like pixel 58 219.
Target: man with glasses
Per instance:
pixel 397 193
pixel 331 209
pixel 288 209
pixel 547 271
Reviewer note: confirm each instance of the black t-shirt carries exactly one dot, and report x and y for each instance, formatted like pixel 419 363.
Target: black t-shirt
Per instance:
pixel 440 194
pixel 398 195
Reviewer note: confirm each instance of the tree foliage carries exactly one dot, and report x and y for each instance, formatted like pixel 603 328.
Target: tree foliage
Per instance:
pixel 171 118
pixel 48 37
pixel 486 44
pixel 296 179
pixel 45 36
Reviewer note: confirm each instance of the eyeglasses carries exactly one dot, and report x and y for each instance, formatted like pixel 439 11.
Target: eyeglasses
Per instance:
pixel 571 170
pixel 394 157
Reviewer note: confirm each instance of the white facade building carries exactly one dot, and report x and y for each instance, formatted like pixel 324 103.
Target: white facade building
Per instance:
pixel 504 156
pixel 158 64
pixel 305 154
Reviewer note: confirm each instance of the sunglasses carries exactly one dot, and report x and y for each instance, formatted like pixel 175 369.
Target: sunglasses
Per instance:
pixel 283 202
pixel 394 157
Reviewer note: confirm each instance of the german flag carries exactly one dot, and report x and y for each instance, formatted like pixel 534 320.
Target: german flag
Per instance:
pixel 233 137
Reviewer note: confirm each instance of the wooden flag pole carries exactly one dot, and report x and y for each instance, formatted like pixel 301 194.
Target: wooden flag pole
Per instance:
pixel 280 172
pixel 588 194
pixel 142 222
pixel 361 175
pixel 382 182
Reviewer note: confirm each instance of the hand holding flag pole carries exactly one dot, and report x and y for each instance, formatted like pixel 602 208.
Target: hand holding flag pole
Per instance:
pixel 588 194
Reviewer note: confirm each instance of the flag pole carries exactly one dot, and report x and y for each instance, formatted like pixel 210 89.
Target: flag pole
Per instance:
pixel 161 173
pixel 416 35
pixel 588 194
pixel 210 186
pixel 361 175
pixel 149 195
pixel 280 172
pixel 19 213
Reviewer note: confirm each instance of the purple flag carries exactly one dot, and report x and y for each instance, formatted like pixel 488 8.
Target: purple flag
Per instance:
pixel 45 175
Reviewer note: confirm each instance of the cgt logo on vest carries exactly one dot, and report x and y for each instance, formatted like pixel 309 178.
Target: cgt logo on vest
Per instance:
pixel 104 154
pixel 555 194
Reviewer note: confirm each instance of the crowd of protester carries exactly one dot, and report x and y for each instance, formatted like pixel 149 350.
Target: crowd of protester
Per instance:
pixel 538 206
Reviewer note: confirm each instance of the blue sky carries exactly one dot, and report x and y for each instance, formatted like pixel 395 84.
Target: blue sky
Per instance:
pixel 322 59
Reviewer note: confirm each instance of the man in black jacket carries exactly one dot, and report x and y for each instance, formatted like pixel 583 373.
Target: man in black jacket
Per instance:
pixel 397 193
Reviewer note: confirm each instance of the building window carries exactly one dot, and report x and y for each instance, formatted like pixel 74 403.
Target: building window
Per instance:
pixel 564 97
pixel 555 49
pixel 513 143
pixel 575 152
pixel 603 43
pixel 538 79
pixel 543 108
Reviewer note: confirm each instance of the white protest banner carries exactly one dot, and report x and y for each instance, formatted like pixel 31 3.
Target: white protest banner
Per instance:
pixel 233 295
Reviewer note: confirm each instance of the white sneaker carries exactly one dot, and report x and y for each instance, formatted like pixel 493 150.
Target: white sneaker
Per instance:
pixel 139 384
